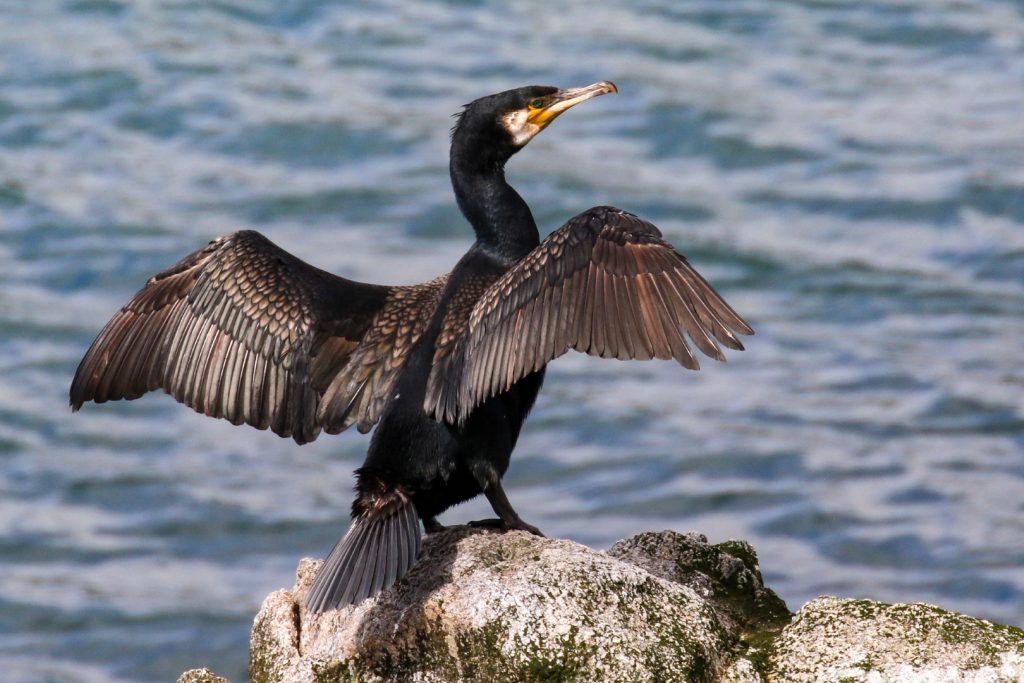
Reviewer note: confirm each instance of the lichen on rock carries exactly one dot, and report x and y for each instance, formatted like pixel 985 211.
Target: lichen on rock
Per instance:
pixel 485 606
pixel 726 574
pixel 664 607
pixel 832 639
pixel 200 676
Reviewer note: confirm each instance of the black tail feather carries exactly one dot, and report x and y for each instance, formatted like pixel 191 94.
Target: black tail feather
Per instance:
pixel 379 547
pixel 391 561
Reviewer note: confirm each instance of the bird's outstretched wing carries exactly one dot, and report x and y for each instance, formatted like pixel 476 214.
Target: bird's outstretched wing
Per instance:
pixel 243 330
pixel 606 284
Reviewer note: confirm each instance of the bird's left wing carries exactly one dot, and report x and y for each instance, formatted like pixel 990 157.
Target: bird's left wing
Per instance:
pixel 245 331
pixel 606 284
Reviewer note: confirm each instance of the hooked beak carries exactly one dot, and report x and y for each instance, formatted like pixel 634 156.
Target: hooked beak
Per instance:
pixel 566 99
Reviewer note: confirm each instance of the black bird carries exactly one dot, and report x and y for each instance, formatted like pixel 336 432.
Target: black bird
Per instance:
pixel 245 331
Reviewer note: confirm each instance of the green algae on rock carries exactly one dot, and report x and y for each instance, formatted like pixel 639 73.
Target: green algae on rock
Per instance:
pixel 661 607
pixel 485 606
pixel 726 574
pixel 832 639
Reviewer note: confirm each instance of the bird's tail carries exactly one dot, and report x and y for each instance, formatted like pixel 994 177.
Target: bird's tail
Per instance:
pixel 379 547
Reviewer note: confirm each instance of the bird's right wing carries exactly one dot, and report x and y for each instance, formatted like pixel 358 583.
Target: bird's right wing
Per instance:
pixel 243 330
pixel 606 284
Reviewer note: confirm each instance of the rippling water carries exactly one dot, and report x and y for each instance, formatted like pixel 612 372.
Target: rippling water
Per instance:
pixel 848 174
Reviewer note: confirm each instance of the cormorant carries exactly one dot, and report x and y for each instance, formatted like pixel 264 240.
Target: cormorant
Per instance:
pixel 245 331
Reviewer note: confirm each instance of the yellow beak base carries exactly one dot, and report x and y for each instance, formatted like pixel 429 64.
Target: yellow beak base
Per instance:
pixel 564 100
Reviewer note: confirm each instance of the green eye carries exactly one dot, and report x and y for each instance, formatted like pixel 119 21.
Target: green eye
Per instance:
pixel 536 104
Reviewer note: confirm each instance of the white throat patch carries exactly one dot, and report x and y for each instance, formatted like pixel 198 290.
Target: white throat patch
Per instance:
pixel 517 125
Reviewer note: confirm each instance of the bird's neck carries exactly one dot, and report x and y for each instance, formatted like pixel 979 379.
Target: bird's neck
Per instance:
pixel 502 221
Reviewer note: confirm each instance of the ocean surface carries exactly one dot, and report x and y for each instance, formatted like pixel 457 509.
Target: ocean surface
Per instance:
pixel 848 174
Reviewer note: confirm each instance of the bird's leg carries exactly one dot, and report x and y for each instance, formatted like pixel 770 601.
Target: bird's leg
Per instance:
pixel 508 518
pixel 432 526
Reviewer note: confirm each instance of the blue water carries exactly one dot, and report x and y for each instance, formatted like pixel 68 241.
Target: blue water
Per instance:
pixel 849 175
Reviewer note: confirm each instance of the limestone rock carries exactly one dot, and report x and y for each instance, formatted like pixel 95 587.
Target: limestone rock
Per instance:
pixel 860 640
pixel 200 676
pixel 666 607
pixel 725 574
pixel 482 606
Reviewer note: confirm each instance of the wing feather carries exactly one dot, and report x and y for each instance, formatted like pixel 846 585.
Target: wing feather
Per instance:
pixel 243 330
pixel 606 284
pixel 357 394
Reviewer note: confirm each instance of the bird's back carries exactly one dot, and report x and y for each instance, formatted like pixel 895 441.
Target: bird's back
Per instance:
pixel 408 439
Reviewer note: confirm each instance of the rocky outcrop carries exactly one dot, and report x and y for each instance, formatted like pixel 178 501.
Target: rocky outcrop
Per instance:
pixel 726 575
pixel 861 640
pixel 503 607
pixel 482 606
pixel 201 676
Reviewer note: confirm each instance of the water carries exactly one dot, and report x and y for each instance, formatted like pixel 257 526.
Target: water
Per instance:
pixel 848 175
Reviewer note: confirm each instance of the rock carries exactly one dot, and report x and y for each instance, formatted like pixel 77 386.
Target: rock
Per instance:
pixel 482 606
pixel 201 676
pixel 725 574
pixel 860 640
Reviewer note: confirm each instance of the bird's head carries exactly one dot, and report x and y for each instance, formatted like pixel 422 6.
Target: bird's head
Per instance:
pixel 502 124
